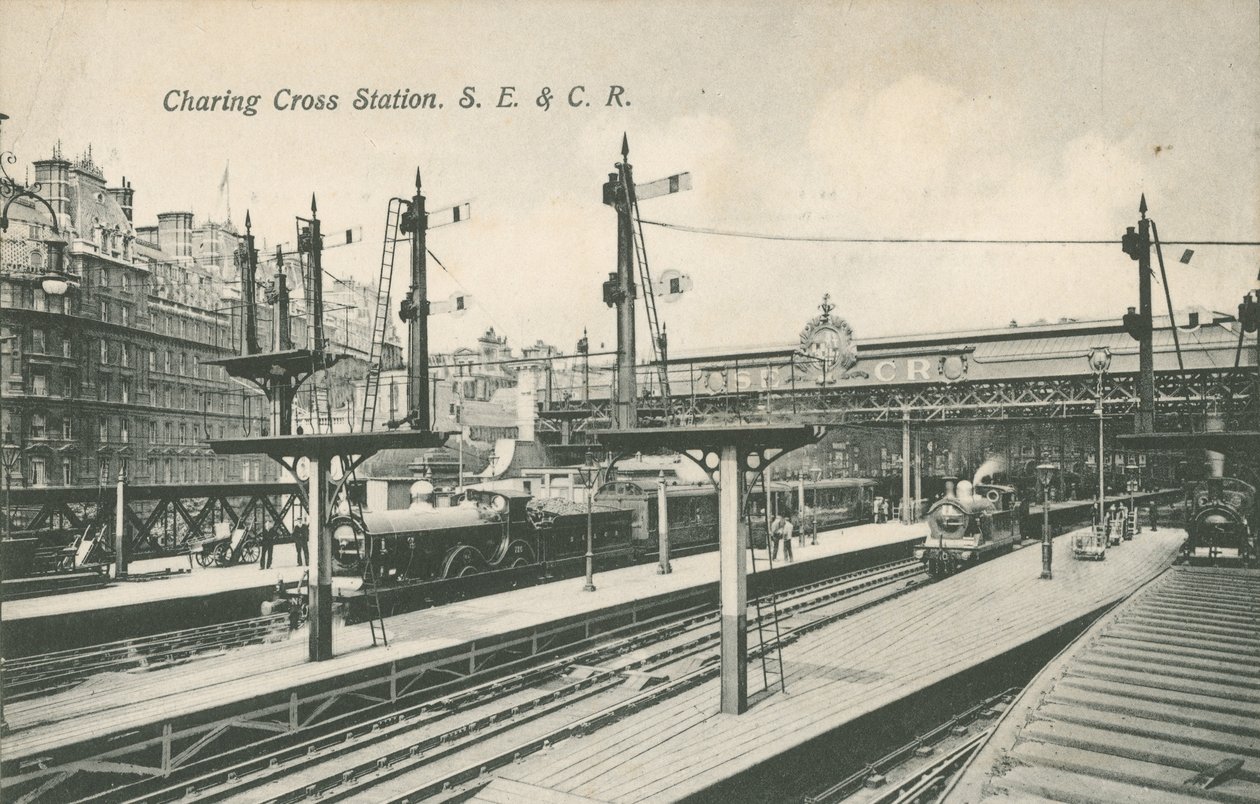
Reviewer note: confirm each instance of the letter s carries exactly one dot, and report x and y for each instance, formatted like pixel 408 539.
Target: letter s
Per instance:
pixel 468 100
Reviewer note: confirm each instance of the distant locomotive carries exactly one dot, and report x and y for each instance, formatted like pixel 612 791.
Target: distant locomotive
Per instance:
pixel 970 524
pixel 489 531
pixel 1220 522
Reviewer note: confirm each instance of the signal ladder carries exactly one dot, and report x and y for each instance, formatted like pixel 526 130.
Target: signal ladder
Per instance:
pixel 649 294
pixel 393 217
pixel 371 391
pixel 769 667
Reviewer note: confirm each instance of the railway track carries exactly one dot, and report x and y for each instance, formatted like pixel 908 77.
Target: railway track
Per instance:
pixel 422 749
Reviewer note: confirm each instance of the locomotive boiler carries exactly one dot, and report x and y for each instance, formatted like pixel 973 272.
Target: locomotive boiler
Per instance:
pixel 483 532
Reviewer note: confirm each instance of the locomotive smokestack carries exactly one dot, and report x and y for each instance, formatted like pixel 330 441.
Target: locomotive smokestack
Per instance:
pixel 950 483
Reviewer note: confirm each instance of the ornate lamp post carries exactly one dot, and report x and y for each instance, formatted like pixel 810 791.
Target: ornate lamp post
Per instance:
pixel 1045 475
pixel 12 454
pixel 1099 362
pixel 1132 483
pixel 588 472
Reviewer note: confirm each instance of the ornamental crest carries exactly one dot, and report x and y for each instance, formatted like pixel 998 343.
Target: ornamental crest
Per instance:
pixel 831 341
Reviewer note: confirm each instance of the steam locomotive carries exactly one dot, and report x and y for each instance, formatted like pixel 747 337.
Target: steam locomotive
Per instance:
pixel 1221 521
pixel 487 531
pixel 509 535
pixel 970 524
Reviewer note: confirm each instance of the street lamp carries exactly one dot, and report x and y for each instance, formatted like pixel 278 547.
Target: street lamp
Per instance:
pixel 1132 483
pixel 588 472
pixel 11 455
pixel 1045 474
pixel 1099 362
pixel 12 452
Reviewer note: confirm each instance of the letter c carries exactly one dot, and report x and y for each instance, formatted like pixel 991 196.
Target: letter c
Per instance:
pixel 886 371
pixel 578 88
pixel 166 101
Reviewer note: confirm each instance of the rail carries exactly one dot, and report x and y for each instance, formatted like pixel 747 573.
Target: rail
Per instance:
pixel 593 665
pixel 46 673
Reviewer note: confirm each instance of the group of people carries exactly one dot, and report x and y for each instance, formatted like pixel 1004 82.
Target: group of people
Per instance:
pixel 881 509
pixel 268 539
pixel 782 529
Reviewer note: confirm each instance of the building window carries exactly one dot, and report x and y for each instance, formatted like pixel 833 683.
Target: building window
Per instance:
pixel 38 426
pixel 124 316
pixel 67 347
pixel 104 429
pixel 104 352
pixel 41 300
pixel 122 430
pixel 152 360
pixel 67 472
pixel 168 429
pixel 67 427
pixel 153 433
pixel 39 384
pixel 123 355
pixel 126 392
pixel 183 433
pixel 167 361
pixel 104 310
pixel 167 472
pixel 39 472
pixel 37 341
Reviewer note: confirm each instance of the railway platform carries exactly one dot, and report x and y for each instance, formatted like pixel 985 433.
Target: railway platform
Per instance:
pixel 136 608
pixel 683 748
pixel 1159 700
pixel 158 719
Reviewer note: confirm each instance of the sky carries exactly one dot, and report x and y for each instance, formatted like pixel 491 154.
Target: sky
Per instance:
pixel 862 119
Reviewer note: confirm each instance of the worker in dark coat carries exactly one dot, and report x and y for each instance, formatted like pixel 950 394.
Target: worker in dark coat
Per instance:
pixel 300 542
pixel 266 545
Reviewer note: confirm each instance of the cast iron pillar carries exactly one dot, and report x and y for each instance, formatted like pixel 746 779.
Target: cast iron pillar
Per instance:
pixel 1137 244
pixel 905 467
pixel 120 519
pixel 732 558
pixel 320 549
pixel 620 290
pixel 247 266
pixel 662 528
pixel 415 311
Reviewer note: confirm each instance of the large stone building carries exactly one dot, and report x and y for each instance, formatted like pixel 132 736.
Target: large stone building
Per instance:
pixel 114 371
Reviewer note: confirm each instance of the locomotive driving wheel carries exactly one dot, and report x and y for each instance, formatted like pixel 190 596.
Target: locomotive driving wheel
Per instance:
pixel 205 558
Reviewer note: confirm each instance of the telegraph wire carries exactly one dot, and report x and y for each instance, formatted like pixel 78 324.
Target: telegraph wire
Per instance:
pixel 912 240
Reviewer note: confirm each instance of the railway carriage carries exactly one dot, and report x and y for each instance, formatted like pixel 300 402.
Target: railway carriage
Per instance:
pixel 691 510
pixel 839 502
pixel 969 525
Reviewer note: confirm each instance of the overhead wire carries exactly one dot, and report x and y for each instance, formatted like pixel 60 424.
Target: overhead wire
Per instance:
pixel 912 240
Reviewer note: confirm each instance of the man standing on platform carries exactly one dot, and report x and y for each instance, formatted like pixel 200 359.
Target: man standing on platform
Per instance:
pixel 267 543
pixel 785 531
pixel 775 536
pixel 300 539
